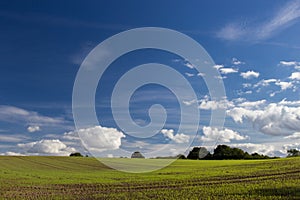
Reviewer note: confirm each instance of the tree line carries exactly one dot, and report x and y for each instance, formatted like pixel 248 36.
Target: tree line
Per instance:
pixel 223 152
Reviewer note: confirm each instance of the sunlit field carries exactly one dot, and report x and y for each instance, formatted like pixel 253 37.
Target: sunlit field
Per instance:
pixel 87 178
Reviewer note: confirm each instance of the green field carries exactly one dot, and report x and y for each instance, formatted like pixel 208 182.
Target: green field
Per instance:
pixel 87 178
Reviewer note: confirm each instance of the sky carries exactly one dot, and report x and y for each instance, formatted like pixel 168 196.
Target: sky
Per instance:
pixel 255 47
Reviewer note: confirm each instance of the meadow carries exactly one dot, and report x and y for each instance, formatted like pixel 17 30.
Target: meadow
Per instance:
pixel 86 178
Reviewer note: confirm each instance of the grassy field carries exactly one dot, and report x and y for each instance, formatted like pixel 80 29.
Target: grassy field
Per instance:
pixel 87 178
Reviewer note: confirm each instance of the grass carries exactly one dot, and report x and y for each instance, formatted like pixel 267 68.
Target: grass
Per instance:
pixel 87 178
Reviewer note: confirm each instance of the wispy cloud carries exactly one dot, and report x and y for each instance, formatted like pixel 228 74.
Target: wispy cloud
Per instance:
pixel 282 19
pixel 12 138
pixel 14 114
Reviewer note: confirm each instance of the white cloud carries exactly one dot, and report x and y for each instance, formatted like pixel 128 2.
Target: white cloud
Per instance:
pixel 252 104
pixel 265 83
pixel 289 103
pixel 288 63
pixel 235 61
pixel 295 76
pixel 72 135
pixel 247 85
pixel 294 136
pixel 221 135
pixel 264 149
pixel 15 114
pixel 239 100
pixel 274 119
pixel 284 85
pixel 33 128
pixel 189 65
pixel 12 138
pixel 99 138
pixel 200 74
pixel 189 74
pixel 291 146
pixel 218 66
pixel 188 103
pixel 10 153
pixel 206 104
pixel 231 31
pixel 228 70
pixel 250 74
pixel 281 19
pixel 178 138
pixel 47 147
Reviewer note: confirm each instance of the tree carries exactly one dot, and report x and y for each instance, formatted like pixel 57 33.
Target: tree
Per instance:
pixel 293 152
pixel 198 153
pixel 237 153
pixel 137 154
pixel 222 152
pixel 180 156
pixel 76 154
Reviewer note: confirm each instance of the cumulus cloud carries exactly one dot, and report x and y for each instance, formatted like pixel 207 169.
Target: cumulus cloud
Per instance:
pixel 265 83
pixel 250 74
pixel 252 104
pixel 47 147
pixel 33 128
pixel 72 135
pixel 284 85
pixel 274 119
pixel 178 138
pixel 11 153
pixel 289 103
pixel 98 138
pixel 291 146
pixel 206 104
pixel 218 66
pixel 294 136
pixel 221 135
pixel 228 70
pixel 235 61
pixel 256 148
pixel 188 103
pixel 295 76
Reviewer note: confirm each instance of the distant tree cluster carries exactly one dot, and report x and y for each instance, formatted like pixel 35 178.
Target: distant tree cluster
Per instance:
pixel 137 154
pixel 223 152
pixel 293 153
pixel 76 154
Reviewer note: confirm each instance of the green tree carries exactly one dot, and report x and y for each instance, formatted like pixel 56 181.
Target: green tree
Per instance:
pixel 222 152
pixel 293 152
pixel 198 153
pixel 137 154
pixel 76 154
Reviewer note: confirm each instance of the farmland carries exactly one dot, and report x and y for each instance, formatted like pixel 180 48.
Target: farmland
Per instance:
pixel 86 178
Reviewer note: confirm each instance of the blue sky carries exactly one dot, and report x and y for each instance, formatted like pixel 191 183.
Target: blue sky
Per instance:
pixel 255 46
